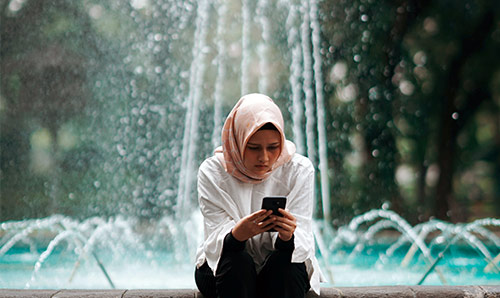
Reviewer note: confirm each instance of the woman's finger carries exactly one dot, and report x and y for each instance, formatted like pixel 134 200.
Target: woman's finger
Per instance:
pixel 287 218
pixel 268 227
pixel 283 233
pixel 266 222
pixel 256 217
pixel 256 214
pixel 286 214
pixel 263 216
pixel 285 225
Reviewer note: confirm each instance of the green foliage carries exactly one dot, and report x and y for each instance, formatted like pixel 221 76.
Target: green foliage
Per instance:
pixel 93 101
pixel 414 67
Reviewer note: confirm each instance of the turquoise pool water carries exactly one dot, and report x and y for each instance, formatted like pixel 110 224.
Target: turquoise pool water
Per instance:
pixel 461 265
pixel 376 248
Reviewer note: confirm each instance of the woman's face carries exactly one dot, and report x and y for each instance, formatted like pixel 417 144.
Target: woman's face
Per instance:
pixel 262 151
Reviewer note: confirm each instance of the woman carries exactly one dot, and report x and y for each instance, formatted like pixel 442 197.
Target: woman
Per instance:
pixel 239 256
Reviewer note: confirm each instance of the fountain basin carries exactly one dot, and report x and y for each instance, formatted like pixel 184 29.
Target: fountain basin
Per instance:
pixel 61 253
pixel 337 292
pixel 67 268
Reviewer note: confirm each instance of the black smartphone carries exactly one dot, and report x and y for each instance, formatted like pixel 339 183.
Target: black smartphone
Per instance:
pixel 273 203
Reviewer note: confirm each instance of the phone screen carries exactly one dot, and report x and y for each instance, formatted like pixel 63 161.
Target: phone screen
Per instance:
pixel 273 203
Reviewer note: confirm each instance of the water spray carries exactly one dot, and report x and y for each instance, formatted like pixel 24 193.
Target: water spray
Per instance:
pixel 439 257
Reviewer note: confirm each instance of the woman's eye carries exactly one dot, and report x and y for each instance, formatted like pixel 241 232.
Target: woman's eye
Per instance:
pixel 273 148
pixel 253 148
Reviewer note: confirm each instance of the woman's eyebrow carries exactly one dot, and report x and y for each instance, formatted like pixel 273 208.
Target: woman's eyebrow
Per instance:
pixel 255 144
pixel 259 144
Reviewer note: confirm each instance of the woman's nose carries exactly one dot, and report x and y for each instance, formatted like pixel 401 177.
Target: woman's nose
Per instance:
pixel 264 156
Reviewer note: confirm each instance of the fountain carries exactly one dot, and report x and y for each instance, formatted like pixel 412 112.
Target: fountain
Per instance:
pixel 59 251
pixel 156 104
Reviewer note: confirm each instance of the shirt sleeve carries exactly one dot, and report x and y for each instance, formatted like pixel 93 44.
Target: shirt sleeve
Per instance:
pixel 218 211
pixel 301 206
pixel 285 245
pixel 233 244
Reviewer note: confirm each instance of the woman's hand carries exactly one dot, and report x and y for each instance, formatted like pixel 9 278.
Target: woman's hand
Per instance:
pixel 253 224
pixel 285 225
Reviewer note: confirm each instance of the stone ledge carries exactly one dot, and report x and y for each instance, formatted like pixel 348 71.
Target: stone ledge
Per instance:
pixel 333 292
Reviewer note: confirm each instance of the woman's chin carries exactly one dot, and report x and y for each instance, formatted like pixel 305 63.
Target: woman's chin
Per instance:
pixel 260 172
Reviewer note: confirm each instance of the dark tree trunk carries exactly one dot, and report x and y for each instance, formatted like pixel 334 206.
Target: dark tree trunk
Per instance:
pixel 407 14
pixel 451 124
pixel 446 151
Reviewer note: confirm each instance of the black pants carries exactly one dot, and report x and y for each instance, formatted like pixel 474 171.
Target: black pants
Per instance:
pixel 236 277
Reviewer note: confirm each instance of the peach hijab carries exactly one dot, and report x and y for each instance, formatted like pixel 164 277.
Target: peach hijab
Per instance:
pixel 249 114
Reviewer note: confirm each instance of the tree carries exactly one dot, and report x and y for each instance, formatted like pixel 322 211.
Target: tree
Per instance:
pixel 420 78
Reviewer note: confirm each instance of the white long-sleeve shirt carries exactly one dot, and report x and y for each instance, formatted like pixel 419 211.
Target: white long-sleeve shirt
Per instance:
pixel 224 200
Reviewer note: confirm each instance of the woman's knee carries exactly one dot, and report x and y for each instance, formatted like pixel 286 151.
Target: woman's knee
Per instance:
pixel 298 276
pixel 284 279
pixel 236 262
pixel 236 275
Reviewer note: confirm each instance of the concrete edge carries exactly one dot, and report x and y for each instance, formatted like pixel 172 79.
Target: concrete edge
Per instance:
pixel 486 291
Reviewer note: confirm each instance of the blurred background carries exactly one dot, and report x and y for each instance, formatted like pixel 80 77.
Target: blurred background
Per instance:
pixel 108 107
